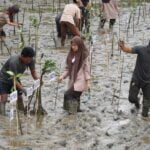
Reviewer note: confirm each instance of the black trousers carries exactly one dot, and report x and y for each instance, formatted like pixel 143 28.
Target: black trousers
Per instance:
pixel 135 87
pixel 111 23
pixel 71 95
pixel 58 25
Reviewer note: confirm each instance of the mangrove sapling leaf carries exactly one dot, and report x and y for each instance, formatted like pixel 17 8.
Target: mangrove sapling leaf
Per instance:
pixel 14 77
pixel 10 73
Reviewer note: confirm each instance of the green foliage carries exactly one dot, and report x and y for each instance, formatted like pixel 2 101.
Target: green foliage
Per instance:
pixel 49 66
pixel 13 75
pixel 10 73
pixel 34 21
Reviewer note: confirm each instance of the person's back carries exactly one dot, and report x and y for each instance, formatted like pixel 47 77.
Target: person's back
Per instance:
pixel 70 11
pixel 110 9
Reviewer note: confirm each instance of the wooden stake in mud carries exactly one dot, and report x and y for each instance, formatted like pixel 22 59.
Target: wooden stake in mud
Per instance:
pixel 57 88
pixel 32 4
pixel 120 85
pixel 1 46
pixel 59 5
pixel 112 46
pixel 128 27
pixel 23 17
pixel 14 77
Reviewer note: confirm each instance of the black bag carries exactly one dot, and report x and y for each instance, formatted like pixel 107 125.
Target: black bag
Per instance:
pixel 105 1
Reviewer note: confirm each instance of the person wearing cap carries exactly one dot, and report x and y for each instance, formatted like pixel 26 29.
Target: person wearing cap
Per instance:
pixel 17 64
pixel 140 77
pixel 7 17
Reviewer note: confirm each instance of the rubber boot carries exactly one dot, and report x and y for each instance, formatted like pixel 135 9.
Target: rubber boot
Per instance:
pixel 2 109
pixel 145 111
pixel 65 105
pixel 78 109
pixel 73 105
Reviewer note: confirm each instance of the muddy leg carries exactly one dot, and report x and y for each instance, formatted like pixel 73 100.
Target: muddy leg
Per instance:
pixel 3 99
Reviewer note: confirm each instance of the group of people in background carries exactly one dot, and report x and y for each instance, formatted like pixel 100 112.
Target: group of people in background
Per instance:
pixel 77 62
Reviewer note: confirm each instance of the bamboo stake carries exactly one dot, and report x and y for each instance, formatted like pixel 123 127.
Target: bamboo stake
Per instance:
pixel 120 85
pixel 23 17
pixel 17 111
pixel 57 88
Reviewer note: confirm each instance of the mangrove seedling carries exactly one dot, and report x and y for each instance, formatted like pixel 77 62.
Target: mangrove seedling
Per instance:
pixel 14 77
pixel 48 67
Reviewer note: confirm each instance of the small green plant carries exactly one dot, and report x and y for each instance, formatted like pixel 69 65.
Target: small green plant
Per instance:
pixel 14 77
pixel 48 67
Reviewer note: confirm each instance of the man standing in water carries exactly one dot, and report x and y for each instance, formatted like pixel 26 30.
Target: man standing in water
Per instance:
pixel 17 64
pixel 141 76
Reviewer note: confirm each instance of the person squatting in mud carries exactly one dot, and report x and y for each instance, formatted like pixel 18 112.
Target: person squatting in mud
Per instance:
pixel 82 4
pixel 70 19
pixel 110 12
pixel 78 70
pixel 140 77
pixel 7 17
pixel 17 64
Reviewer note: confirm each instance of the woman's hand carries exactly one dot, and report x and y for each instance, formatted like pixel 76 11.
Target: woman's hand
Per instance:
pixel 60 79
pixel 88 84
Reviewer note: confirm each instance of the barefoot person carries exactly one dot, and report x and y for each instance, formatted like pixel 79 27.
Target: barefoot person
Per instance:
pixel 78 71
pixel 110 12
pixel 71 12
pixel 7 17
pixel 16 64
pixel 141 76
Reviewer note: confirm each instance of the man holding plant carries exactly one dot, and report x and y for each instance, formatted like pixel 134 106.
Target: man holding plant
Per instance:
pixel 17 64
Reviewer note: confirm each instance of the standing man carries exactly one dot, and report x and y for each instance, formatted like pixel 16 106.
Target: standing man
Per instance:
pixel 141 76
pixel 110 12
pixel 71 12
pixel 17 64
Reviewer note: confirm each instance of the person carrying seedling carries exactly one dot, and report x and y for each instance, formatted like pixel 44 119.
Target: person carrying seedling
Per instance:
pixel 109 12
pixel 7 17
pixel 70 19
pixel 16 64
pixel 140 77
pixel 78 71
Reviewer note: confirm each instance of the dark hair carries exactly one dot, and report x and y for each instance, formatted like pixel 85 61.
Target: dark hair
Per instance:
pixel 12 10
pixel 75 1
pixel 28 52
pixel 105 1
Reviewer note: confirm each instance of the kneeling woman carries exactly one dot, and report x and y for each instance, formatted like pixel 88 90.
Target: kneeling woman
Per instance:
pixel 78 71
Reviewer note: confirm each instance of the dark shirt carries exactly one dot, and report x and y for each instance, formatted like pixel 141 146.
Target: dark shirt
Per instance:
pixel 142 68
pixel 15 65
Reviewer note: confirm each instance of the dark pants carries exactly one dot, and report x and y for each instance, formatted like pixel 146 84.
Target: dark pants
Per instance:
pixel 2 33
pixel 71 95
pixel 58 25
pixel 135 87
pixel 111 23
pixel 64 28
pixel 85 19
pixel 6 89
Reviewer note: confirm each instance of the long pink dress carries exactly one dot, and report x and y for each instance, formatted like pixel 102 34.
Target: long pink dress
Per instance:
pixel 110 10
